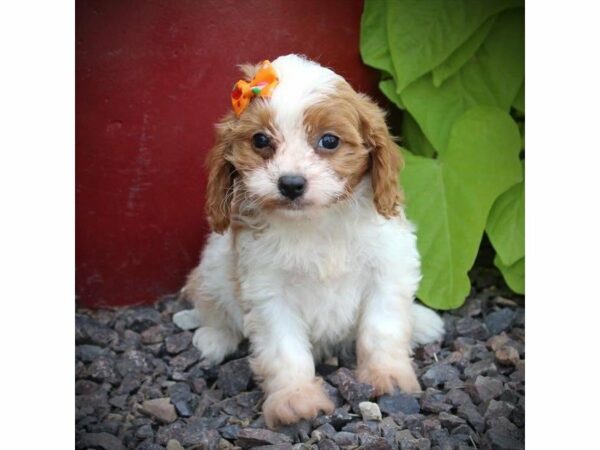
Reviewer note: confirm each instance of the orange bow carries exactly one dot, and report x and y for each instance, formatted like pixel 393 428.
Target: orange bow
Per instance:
pixel 261 85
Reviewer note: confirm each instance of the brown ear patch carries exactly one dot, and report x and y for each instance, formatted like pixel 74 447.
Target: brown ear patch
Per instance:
pixel 366 144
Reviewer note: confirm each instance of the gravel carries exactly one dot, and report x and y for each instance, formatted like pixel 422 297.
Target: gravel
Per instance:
pixel 140 384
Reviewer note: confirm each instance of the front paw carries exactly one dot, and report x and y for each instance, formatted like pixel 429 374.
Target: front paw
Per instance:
pixel 385 379
pixel 291 404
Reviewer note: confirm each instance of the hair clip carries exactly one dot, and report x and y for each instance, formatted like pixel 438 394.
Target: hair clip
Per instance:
pixel 261 85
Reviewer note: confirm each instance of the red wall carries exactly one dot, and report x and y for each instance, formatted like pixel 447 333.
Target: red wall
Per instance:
pixel 152 79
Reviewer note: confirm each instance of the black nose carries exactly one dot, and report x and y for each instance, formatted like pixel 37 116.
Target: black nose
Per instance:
pixel 291 186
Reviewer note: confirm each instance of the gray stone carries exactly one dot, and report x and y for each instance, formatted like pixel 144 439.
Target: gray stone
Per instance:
pixel 369 411
pixel 328 444
pixel 351 389
pixel 103 369
pixel 344 438
pixel 102 441
pixel 374 443
pixel 457 397
pixel 252 437
pixel 450 421
pixel 179 342
pixel 398 402
pixel 469 412
pixel 134 361
pixel 438 374
pixel 483 367
pixel 500 320
pixel 485 388
pixel 235 377
pixel 185 359
pixel 467 326
pixel 434 401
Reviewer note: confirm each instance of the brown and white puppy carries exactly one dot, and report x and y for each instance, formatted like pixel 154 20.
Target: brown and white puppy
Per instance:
pixel 311 250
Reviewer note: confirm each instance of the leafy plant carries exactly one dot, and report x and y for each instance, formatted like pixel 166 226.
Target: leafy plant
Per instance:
pixel 457 70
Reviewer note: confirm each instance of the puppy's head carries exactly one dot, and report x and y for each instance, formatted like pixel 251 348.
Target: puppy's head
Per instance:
pixel 303 148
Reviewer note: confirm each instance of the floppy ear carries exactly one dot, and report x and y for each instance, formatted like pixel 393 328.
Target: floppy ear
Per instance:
pixel 386 160
pixel 219 193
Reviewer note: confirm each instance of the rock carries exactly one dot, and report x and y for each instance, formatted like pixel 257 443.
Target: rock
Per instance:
pixel 144 432
pixel 134 362
pixel 438 374
pixel 199 384
pixel 185 359
pixel 497 341
pixel 194 432
pixel 102 441
pixel 328 444
pixel 119 401
pixel 338 419
pixel 252 437
pixel 174 444
pixel 500 320
pixel 274 447
pixel 485 388
pixel 351 389
pixel 234 376
pixel 362 427
pixel 344 438
pixel 369 411
pixel 177 343
pixel 333 394
pixel 85 387
pixel 88 353
pixel 450 421
pixel 504 436
pixel 434 401
pixel 323 432
pixel 467 326
pixel 160 408
pixel 153 335
pixel 507 355
pixel 375 443
pixel 298 431
pixel 103 369
pixel 496 409
pixel 90 331
pixel 398 402
pixel 469 412
pixel 483 367
pixel 406 441
pixel 140 318
pixel 431 424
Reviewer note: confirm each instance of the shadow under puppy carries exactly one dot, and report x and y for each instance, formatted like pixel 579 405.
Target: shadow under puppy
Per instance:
pixel 310 248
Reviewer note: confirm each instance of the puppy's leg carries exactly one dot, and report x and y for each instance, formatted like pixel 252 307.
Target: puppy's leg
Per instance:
pixel 282 360
pixel 383 341
pixel 210 287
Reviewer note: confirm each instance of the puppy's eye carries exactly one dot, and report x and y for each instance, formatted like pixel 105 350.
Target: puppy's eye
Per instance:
pixel 260 140
pixel 329 142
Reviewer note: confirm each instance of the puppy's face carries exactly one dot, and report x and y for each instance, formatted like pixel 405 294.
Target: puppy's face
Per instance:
pixel 304 148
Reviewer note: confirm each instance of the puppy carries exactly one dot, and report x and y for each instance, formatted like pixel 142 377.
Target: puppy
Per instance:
pixel 310 250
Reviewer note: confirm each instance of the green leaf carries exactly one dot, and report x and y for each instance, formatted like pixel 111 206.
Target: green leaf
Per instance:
pixel 373 37
pixel 449 199
pixel 514 275
pixel 422 34
pixel 462 54
pixel 388 87
pixel 506 224
pixel 519 102
pixel 493 77
pixel 414 139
